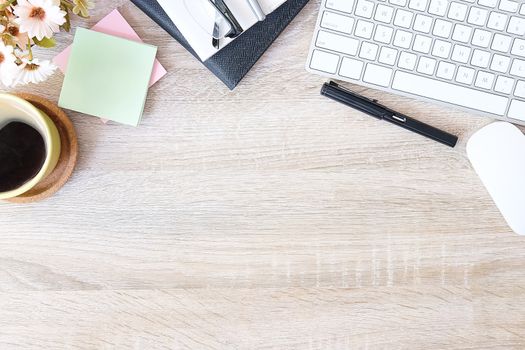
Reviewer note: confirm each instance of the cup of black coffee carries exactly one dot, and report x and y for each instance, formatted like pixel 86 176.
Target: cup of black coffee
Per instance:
pixel 29 146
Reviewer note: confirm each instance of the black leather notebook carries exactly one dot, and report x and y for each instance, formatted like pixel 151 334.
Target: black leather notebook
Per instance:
pixel 235 60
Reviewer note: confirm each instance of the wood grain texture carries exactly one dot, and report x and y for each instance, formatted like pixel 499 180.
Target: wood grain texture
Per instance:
pixel 264 218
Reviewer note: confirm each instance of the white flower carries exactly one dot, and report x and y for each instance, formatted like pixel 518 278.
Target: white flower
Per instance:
pixel 34 71
pixel 39 18
pixel 8 67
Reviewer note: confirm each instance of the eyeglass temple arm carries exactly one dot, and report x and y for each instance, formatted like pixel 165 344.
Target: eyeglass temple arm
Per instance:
pixel 221 6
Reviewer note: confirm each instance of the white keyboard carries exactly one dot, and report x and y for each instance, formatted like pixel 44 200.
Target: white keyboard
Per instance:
pixel 466 53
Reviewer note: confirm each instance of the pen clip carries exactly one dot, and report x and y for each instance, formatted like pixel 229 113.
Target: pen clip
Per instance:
pixel 348 91
pixel 399 118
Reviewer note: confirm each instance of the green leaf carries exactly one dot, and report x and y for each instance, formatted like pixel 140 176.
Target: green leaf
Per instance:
pixel 8 39
pixel 6 4
pixel 66 4
pixel 46 42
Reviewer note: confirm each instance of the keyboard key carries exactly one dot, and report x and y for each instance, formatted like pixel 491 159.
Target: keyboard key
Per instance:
pixel 445 70
pixel 403 18
pixel 422 23
pixel 340 5
pixel 518 48
pixel 441 49
pixel 422 43
pixel 497 21
pixel 504 85
pixel 457 11
pixel 398 2
pixel 462 33
pixel 501 42
pixel 438 7
pixel 477 16
pixel 351 68
pixel 407 60
pixel 516 26
pixel 403 39
pixel 442 28
pixel 518 68
pixel 488 3
pixel 368 51
pixel 480 58
pixel 337 22
pixel 520 89
pixel 388 56
pixel 324 61
pixel 335 42
pixel 465 75
pixel 426 65
pixel 507 5
pixel 364 29
pixel 517 110
pixel 384 13
pixel 481 38
pixel 451 93
pixel 364 8
pixel 461 53
pixel 522 9
pixel 383 34
pixel 500 63
pixel 377 75
pixel 419 5
pixel 484 80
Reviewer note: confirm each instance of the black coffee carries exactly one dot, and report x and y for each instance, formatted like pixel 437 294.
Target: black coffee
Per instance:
pixel 22 155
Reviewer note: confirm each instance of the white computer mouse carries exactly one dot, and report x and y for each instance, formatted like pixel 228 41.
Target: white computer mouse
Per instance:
pixel 497 153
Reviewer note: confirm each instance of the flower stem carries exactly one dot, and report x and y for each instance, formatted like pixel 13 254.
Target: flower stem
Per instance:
pixel 29 49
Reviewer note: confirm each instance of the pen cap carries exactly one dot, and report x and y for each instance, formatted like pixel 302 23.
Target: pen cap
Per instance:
pixel 348 98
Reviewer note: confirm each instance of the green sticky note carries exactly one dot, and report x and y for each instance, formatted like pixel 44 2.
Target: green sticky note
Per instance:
pixel 107 77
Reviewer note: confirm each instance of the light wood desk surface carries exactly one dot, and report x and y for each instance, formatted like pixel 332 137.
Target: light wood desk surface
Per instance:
pixel 264 218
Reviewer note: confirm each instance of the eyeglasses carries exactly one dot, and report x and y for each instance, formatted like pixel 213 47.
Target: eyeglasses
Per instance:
pixel 215 18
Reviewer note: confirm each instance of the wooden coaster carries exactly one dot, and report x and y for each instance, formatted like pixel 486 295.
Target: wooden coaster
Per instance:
pixel 68 154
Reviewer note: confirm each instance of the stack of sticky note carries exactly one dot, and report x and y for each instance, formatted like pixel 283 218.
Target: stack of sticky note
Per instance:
pixel 108 75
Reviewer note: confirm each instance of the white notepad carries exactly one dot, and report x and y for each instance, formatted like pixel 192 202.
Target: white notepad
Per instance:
pixel 198 38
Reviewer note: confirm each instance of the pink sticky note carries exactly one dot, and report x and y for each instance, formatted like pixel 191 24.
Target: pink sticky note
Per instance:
pixel 116 25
